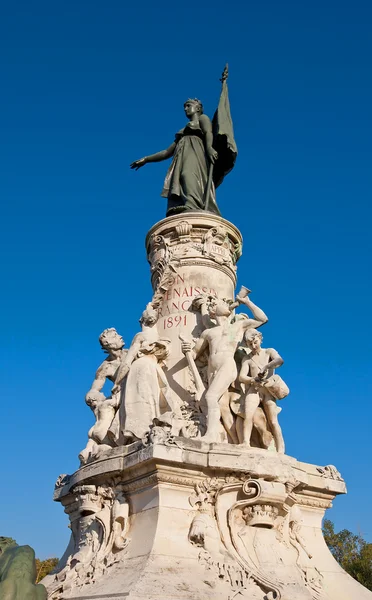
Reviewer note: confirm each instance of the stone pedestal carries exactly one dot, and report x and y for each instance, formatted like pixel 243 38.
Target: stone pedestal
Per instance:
pixel 202 522
pixel 172 517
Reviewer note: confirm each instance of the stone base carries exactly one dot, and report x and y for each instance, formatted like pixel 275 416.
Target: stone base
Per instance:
pixel 182 519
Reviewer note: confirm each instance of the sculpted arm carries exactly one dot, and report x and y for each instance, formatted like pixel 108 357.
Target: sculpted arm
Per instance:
pixel 244 372
pixel 100 378
pixel 200 346
pixel 274 362
pixel 128 359
pixel 260 318
pixel 200 303
pixel 157 157
pixel 206 127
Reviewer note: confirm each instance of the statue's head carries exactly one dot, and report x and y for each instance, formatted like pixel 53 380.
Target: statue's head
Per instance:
pixel 192 106
pixel 149 316
pixel 253 339
pixel 159 349
pixel 111 340
pixel 219 308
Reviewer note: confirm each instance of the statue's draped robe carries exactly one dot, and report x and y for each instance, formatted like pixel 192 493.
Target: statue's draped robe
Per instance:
pixel 144 390
pixel 187 176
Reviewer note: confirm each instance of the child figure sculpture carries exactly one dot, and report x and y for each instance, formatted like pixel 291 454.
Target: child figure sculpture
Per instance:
pixel 261 387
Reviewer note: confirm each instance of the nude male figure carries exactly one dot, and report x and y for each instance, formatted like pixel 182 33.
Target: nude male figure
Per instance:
pixel 256 368
pixel 104 409
pixel 222 339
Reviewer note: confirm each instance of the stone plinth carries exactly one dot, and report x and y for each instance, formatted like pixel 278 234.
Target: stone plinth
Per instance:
pixel 200 522
pixel 156 512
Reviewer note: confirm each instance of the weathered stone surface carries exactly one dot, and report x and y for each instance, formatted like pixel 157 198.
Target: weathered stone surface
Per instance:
pixel 184 491
pixel 203 521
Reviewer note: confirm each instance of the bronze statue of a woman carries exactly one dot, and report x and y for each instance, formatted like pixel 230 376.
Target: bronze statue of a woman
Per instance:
pixel 203 153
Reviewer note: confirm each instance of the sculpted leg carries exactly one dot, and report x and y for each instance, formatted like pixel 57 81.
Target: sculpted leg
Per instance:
pixel 219 385
pixel 106 414
pixel 240 429
pixel 228 417
pixel 271 412
pixel 260 423
pixel 251 403
pixel 89 450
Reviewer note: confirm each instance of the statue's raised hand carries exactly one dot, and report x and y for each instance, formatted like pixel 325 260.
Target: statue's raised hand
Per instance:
pixel 186 346
pixel 198 301
pixel 137 164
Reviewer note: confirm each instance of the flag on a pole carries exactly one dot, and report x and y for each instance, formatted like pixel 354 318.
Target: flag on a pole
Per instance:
pixel 223 135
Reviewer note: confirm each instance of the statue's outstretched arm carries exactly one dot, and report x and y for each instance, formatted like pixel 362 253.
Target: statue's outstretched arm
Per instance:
pixel 260 318
pixel 157 157
pixel 162 155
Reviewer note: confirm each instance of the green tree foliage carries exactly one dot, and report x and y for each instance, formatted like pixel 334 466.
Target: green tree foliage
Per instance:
pixel 43 567
pixel 351 551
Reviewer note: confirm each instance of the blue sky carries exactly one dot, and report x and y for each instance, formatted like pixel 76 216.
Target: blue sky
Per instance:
pixel 88 87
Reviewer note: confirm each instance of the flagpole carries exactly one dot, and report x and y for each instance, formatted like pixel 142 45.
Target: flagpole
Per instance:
pixel 209 187
pixel 207 195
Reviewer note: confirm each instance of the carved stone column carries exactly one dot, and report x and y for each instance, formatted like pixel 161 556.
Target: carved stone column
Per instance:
pixel 189 255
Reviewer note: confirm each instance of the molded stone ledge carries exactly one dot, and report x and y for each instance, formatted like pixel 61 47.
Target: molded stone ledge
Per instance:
pixel 134 461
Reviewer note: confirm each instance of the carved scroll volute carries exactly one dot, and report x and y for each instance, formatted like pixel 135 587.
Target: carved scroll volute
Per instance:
pixel 236 503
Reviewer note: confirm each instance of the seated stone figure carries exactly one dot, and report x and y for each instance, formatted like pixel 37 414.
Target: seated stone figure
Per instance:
pixel 18 572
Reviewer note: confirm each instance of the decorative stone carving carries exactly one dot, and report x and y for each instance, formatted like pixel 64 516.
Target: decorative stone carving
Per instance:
pixel 62 480
pixel 311 575
pixel 204 534
pixel 260 515
pixel 183 230
pixel 331 472
pixel 216 245
pixel 245 525
pixel 198 237
pixel 253 527
pixel 99 523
